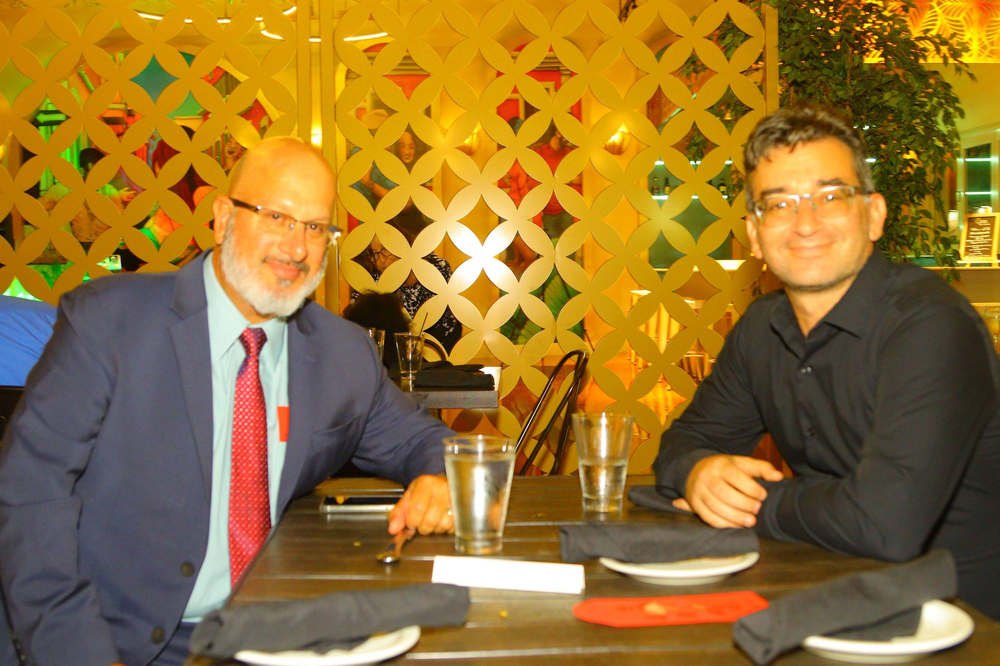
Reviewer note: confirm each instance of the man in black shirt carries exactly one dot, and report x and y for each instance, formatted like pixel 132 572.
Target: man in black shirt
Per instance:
pixel 877 381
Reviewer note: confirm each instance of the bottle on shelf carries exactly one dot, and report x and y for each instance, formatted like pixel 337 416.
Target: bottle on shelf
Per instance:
pixel 656 186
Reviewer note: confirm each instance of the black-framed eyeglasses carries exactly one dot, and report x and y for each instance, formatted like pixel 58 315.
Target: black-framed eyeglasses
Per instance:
pixel 828 203
pixel 279 223
pixel 384 253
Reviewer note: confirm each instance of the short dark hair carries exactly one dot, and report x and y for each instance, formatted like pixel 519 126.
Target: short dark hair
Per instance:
pixel 410 222
pixel 90 156
pixel 804 123
pixel 383 311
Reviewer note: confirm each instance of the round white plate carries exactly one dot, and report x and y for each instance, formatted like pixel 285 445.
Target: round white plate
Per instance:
pixel 685 572
pixel 942 625
pixel 375 649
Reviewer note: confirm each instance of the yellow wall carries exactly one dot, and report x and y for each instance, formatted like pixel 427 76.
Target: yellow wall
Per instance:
pixel 312 87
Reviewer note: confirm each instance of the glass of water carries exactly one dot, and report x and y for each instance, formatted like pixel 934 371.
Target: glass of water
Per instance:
pixel 410 347
pixel 378 337
pixel 602 444
pixel 480 469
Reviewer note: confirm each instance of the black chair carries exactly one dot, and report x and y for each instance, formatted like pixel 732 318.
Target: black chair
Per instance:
pixel 566 407
pixel 9 397
pixel 435 346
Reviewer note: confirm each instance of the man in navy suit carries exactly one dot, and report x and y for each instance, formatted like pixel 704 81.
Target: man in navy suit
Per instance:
pixel 174 416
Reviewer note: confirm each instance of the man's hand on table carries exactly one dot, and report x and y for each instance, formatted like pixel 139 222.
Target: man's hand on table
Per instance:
pixel 722 490
pixel 425 507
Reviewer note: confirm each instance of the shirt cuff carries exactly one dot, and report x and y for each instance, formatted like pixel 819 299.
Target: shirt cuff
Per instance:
pixel 671 481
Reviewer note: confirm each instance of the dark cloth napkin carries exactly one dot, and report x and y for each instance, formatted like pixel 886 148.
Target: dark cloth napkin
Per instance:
pixel 644 544
pixel 446 365
pixel 341 620
pixel 453 379
pixel 874 605
pixel 648 497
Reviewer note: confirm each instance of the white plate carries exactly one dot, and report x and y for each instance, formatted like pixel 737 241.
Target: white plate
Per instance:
pixel 685 572
pixel 375 649
pixel 942 625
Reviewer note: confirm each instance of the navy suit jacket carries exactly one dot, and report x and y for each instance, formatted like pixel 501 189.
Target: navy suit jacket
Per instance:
pixel 106 469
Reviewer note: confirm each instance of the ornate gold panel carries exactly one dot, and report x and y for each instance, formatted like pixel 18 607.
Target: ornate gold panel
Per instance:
pixel 610 246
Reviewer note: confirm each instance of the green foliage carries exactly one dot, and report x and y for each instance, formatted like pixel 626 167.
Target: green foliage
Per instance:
pixel 907 111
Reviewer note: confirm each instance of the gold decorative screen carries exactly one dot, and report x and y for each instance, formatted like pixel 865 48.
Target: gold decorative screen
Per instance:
pixel 568 160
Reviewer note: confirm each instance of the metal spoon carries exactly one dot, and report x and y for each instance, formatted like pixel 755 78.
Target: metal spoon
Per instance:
pixel 394 555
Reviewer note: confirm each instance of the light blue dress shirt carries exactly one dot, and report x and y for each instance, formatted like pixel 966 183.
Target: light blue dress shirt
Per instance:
pixel 225 324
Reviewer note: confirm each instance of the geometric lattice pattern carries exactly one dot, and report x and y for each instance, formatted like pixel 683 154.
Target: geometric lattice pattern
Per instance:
pixel 615 211
pixel 643 149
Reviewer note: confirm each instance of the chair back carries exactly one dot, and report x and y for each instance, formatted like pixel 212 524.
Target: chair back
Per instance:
pixel 9 397
pixel 565 408
pixel 435 348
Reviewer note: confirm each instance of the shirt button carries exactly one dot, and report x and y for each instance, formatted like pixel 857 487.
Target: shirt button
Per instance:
pixel 811 432
pixel 806 370
pixel 187 569
pixel 158 635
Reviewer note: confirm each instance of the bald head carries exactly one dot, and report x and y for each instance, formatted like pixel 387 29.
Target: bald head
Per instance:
pixel 271 258
pixel 279 156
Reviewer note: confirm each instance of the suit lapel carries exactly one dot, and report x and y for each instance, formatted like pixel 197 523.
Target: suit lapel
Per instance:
pixel 190 340
pixel 304 392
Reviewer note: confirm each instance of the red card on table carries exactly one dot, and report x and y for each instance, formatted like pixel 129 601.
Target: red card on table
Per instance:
pixel 660 611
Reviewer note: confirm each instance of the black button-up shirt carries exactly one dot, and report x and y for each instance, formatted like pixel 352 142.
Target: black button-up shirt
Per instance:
pixel 887 413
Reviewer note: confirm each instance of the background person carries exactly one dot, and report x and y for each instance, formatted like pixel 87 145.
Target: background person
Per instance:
pixel 376 259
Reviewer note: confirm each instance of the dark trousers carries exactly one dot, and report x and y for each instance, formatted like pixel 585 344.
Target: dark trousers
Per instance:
pixel 176 652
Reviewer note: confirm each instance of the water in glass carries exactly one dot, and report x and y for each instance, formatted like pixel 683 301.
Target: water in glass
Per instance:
pixel 603 442
pixel 410 347
pixel 479 472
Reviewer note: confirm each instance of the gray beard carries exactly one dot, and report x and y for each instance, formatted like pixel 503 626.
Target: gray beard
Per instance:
pixel 243 278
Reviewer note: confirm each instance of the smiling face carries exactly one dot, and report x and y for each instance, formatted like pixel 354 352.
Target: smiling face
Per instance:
pixel 407 148
pixel 269 273
pixel 812 254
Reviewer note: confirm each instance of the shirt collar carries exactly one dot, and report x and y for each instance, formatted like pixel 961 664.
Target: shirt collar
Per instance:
pixel 852 313
pixel 226 323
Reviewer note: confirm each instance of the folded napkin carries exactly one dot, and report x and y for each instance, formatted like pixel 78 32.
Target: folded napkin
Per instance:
pixel 648 497
pixel 453 379
pixel 653 543
pixel 858 606
pixel 446 365
pixel 341 620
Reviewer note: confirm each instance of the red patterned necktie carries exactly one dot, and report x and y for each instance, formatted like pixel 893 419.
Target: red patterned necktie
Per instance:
pixel 249 503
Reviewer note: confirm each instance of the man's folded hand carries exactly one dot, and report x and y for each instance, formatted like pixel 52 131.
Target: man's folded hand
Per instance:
pixel 722 490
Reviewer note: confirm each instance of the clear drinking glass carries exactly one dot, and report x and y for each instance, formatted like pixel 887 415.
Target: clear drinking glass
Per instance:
pixel 992 316
pixel 602 443
pixel 480 469
pixel 410 347
pixel 378 337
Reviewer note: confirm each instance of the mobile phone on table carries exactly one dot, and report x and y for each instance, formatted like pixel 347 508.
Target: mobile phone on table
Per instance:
pixel 358 503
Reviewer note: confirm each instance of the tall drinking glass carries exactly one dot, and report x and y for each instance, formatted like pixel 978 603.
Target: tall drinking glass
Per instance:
pixel 992 316
pixel 378 337
pixel 410 347
pixel 479 471
pixel 602 443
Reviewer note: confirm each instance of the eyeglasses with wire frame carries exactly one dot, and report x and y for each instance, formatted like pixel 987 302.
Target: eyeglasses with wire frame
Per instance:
pixel 779 209
pixel 279 223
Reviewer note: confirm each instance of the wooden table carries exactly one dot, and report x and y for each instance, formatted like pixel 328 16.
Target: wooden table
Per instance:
pixel 312 554
pixel 459 398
